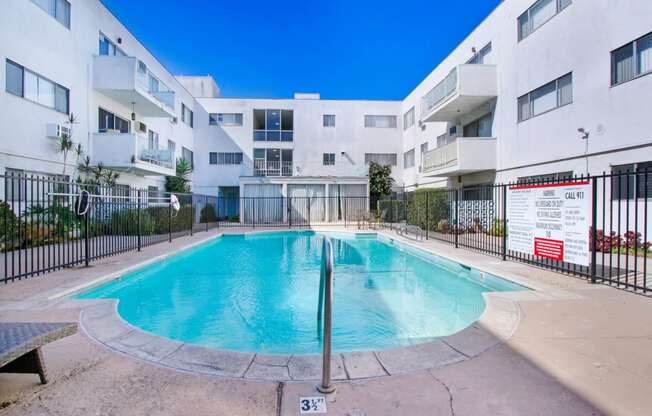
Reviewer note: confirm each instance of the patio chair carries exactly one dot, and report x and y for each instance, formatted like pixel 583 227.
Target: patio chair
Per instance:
pixel 20 345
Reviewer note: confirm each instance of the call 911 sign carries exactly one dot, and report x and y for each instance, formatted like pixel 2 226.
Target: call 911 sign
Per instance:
pixel 550 220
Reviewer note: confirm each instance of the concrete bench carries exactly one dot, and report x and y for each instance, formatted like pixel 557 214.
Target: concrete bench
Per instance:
pixel 20 345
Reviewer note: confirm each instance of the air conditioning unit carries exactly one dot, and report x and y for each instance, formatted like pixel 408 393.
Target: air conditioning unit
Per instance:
pixel 56 131
pixel 141 127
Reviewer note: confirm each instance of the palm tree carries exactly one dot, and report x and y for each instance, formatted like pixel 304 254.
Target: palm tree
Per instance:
pixel 65 145
pixel 180 182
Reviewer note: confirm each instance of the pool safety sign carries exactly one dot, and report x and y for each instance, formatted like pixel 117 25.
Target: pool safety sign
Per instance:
pixel 550 220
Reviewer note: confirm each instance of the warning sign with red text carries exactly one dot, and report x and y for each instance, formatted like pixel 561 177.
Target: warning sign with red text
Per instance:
pixel 550 220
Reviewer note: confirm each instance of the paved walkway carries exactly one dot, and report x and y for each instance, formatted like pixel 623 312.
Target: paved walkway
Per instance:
pixel 578 350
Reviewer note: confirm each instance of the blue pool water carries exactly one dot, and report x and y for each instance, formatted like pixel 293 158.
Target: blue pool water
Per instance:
pixel 258 293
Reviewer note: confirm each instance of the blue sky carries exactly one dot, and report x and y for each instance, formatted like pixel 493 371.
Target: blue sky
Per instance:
pixel 342 49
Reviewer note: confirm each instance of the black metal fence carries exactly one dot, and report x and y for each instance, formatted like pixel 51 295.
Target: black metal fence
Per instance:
pixel 41 229
pixel 476 218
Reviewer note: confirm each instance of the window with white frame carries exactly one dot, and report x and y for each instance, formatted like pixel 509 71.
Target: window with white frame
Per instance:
pixel 187 155
pixel 376 121
pixel 329 159
pixel 108 48
pixel 225 119
pixel 110 122
pixel 538 14
pixel 408 159
pixel 632 60
pixel 59 9
pixel 408 119
pixel 225 158
pixel 172 147
pixel 553 95
pixel 631 181
pixel 273 125
pixel 329 120
pixel 424 147
pixel 386 159
pixel 187 115
pixel 24 83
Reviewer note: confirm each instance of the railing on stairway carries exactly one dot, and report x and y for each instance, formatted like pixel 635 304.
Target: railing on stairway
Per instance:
pixel 324 314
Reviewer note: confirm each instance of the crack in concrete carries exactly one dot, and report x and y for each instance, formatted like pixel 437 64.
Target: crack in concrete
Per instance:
pixel 279 397
pixel 448 390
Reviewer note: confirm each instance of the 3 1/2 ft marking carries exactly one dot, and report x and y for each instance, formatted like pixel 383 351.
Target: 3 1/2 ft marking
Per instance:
pixel 312 405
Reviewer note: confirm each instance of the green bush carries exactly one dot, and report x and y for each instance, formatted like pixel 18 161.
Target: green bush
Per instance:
pixel 160 217
pixel 427 208
pixel 125 222
pixel 497 228
pixel 207 214
pixel 8 230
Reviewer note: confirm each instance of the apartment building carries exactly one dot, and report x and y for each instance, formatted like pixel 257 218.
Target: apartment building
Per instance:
pixel 539 89
pixel 63 57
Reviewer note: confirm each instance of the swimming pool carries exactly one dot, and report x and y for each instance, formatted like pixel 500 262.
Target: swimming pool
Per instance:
pixel 259 292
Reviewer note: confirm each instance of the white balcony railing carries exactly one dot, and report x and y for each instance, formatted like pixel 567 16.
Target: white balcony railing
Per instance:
pixel 272 168
pixel 131 152
pixel 461 91
pixel 462 155
pixel 128 81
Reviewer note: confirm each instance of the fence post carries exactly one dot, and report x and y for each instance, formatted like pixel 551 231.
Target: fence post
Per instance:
pixel 427 214
pixel 457 217
pixel 87 244
pixel 594 225
pixel 504 222
pixel 253 219
pixel 288 202
pixel 170 221
pixel 309 217
pixel 138 221
pixel 206 208
pixel 192 214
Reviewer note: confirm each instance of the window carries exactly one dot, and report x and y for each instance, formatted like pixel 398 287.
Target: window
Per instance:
pixel 552 95
pixel 631 181
pixel 152 140
pixel 234 158
pixel 59 9
pixel 481 57
pixel 387 122
pixel 408 159
pixel 538 14
pixel 632 60
pixel 186 115
pixel 172 147
pixel 480 127
pixel 225 119
pixel 108 121
pixel 424 147
pixel 380 158
pixel 408 119
pixel 24 83
pixel 274 125
pixel 108 48
pixel 329 159
pixel 478 192
pixel 329 120
pixel 186 154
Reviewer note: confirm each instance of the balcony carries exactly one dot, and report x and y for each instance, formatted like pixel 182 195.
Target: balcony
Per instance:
pixel 128 81
pixel 129 152
pixel 464 89
pixel 462 156
pixel 272 168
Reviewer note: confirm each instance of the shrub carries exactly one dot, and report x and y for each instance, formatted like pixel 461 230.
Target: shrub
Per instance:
pixel 427 207
pixel 125 222
pixel 208 214
pixel 497 228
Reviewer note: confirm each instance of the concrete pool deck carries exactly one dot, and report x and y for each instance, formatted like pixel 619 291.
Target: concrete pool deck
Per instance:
pixel 574 348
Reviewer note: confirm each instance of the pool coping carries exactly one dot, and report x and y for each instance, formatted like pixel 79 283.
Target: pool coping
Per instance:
pixel 101 322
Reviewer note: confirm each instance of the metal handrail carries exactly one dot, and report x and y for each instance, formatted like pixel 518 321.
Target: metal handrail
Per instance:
pixel 325 310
